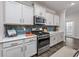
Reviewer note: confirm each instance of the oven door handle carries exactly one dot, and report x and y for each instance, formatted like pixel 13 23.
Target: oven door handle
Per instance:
pixel 43 38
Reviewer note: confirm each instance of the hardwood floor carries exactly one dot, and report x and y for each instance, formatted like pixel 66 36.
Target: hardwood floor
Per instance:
pixel 51 50
pixel 73 43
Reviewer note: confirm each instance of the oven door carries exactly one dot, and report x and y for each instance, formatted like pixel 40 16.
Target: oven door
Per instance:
pixel 43 42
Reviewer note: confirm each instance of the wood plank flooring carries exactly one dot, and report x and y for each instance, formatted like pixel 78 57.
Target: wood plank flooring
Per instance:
pixel 73 43
pixel 51 50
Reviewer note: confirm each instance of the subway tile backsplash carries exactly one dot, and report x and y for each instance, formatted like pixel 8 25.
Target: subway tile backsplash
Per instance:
pixel 20 29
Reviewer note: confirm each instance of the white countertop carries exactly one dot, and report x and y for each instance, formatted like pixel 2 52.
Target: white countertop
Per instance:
pixel 54 32
pixel 19 37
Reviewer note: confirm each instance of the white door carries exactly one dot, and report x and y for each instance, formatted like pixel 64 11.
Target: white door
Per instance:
pixel 56 20
pixel 16 51
pixel 12 12
pixel 49 19
pixel 28 15
pixel 30 48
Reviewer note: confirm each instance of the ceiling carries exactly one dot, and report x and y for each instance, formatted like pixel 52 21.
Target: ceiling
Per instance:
pixel 73 12
pixel 58 6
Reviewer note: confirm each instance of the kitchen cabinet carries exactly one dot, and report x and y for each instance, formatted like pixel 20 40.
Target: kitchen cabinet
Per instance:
pixel 53 40
pixel 12 12
pixel 30 48
pixel 56 38
pixel 28 15
pixel 0 50
pixel 25 47
pixel 56 20
pixel 16 13
pixel 49 19
pixel 16 51
pixel 61 36
pixel 39 10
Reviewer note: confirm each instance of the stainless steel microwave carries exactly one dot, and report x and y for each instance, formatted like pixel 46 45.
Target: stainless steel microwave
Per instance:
pixel 39 20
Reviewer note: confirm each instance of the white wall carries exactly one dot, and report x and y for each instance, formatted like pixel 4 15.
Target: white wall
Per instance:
pixel 76 25
pixel 62 21
pixel 1 20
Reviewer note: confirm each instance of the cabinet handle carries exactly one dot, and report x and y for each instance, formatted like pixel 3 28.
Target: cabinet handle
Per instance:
pixel 23 20
pixel 21 48
pixel 54 38
pixel 30 40
pixel 20 20
pixel 14 44
pixel 25 48
pixel 40 14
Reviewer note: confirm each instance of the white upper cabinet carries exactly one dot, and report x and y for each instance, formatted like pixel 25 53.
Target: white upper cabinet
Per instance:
pixel 56 20
pixel 16 13
pixel 49 18
pixel 12 12
pixel 36 10
pixel 39 10
pixel 28 15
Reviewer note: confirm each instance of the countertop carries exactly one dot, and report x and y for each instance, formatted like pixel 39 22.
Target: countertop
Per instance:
pixel 23 36
pixel 54 32
pixel 19 37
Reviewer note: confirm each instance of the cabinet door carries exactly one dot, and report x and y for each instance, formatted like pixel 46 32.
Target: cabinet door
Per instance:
pixel 37 10
pixel 49 19
pixel 0 53
pixel 0 50
pixel 58 37
pixel 12 12
pixel 53 40
pixel 56 20
pixel 42 12
pixel 30 48
pixel 16 51
pixel 28 15
pixel 62 37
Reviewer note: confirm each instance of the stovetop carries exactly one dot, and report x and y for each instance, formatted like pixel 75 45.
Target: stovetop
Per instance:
pixel 40 32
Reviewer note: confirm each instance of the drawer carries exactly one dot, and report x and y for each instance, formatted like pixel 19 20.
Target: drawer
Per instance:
pixel 30 39
pixel 13 43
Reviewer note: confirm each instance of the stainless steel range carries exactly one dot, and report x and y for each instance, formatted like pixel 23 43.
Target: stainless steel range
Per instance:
pixel 43 41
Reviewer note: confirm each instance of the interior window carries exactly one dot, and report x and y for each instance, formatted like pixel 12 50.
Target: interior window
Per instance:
pixel 69 28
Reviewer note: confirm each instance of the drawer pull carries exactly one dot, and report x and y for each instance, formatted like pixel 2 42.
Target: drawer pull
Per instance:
pixel 25 48
pixel 14 44
pixel 21 48
pixel 54 38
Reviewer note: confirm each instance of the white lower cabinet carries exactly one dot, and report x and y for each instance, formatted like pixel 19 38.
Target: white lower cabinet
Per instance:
pixel 20 48
pixel 16 51
pixel 56 38
pixel 0 53
pixel 30 48
pixel 0 50
pixel 53 40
